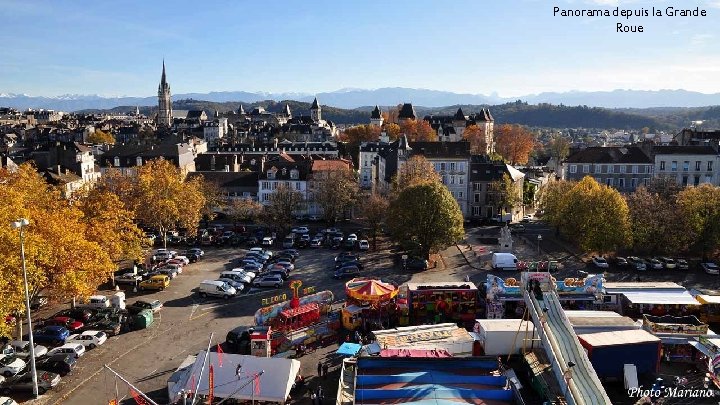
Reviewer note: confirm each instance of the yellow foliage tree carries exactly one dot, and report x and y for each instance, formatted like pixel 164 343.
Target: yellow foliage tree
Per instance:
pixel 393 130
pixel 476 136
pixel 101 137
pixel 414 171
pixel 700 206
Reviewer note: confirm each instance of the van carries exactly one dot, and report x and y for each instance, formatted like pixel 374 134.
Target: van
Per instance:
pixel 504 261
pixel 289 242
pixel 97 302
pixel 216 288
pixel 158 282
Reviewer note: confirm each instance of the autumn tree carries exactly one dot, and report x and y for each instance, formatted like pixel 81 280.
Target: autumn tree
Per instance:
pixel 360 134
pixel 598 217
pixel 335 192
pixel 244 210
pixel 393 130
pixel 415 170
pixel 514 143
pixel 282 203
pixel 374 211
pixel 558 147
pixel 418 131
pixel 101 137
pixel 215 201
pixel 477 138
pixel 700 205
pixel 60 258
pixel 426 216
pixel 656 225
pixel 505 193
pixel 554 203
pixel 167 200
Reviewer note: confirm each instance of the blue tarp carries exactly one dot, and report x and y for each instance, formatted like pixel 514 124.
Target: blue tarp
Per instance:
pixel 349 349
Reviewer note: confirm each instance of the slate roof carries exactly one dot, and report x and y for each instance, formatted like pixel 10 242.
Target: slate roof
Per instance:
pixel 610 154
pixel 57 177
pixel 407 112
pixel 459 115
pixel 684 150
pixel 315 105
pixel 229 179
pixel 485 170
pixel 442 149
pixel 376 113
pixel 283 170
pixel 194 114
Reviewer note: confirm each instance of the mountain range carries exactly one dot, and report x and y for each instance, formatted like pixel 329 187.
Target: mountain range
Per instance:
pixel 388 96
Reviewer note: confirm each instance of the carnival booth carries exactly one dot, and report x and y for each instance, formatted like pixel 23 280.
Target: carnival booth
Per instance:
pixel 707 357
pixel 676 334
pixel 709 306
pixel 369 301
pixel 434 303
pixel 654 298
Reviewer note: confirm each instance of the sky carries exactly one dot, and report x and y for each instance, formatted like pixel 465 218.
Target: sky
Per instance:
pixel 508 47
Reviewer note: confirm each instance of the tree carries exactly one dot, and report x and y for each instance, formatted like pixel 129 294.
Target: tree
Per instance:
pixel 427 216
pixel 101 137
pixel 374 209
pixel 146 135
pixel 361 133
pixel 514 143
pixel 598 217
pixel 701 207
pixel 505 193
pixel 558 147
pixel 244 210
pixel 166 200
pixel 214 200
pixel 281 205
pixel 418 130
pixel 59 256
pixel 656 225
pixel 554 203
pixel 477 138
pixel 335 192
pixel 415 170
pixel 393 130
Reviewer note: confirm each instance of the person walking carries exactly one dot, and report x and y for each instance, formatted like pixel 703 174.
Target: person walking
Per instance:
pixel 325 371
pixel 319 369
pixel 313 398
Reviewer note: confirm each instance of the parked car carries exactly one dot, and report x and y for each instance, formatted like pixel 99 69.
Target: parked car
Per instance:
pixel 137 306
pixel 682 264
pixel 600 262
pixel 197 251
pixel 128 278
pixel 668 263
pixel 268 241
pixel 316 243
pixel 77 349
pixel 170 272
pixel 250 263
pixel 654 263
pixel 337 237
pixel 11 365
pixel 292 252
pixel 352 237
pixel 109 326
pixel 348 245
pixel 54 335
pixel 21 349
pixel 237 275
pixel 710 268
pixel 239 339
pixel 216 288
pixel 262 251
pixel 62 364
pixel 192 257
pixel 38 302
pixel 517 228
pixel 637 263
pixel 65 321
pixel 81 314
pixel 282 264
pixel 300 230
pixel 343 255
pixel 284 275
pixel 257 256
pixel 270 280
pixel 620 262
pixel 23 382
pixel 237 285
pixel 283 258
pixel 363 245
pixel 157 283
pixel 347 271
pixel 90 338
pixel 415 263
pixel 355 262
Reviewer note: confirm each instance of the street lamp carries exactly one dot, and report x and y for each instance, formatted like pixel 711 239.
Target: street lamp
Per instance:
pixel 539 238
pixel 21 224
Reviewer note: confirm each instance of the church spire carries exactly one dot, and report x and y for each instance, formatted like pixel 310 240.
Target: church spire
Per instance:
pixel 163 81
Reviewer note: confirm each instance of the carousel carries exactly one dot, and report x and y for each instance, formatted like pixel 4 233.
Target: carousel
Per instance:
pixel 369 302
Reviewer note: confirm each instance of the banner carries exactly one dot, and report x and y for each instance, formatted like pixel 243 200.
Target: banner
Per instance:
pixel 138 399
pixel 211 384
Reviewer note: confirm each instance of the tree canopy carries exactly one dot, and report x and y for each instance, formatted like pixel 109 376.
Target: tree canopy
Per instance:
pixel 374 211
pixel 505 193
pixel 335 192
pixel 514 143
pixel 418 130
pixel 477 138
pixel 283 202
pixel 101 137
pixel 415 170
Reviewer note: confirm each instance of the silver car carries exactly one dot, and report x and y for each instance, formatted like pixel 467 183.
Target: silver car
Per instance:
pixel 22 349
pixel 239 286
pixel 271 280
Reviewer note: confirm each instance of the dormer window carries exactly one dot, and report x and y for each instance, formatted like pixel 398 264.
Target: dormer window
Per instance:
pixel 138 161
pixel 284 172
pixel 117 161
pixel 294 174
pixel 271 174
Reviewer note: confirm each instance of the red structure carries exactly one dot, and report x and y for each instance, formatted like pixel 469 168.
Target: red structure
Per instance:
pixel 296 318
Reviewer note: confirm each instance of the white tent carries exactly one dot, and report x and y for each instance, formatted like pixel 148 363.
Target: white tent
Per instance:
pixel 278 376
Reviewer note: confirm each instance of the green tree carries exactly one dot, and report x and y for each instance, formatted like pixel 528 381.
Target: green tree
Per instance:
pixel 415 170
pixel 558 147
pixel 426 215
pixel 374 211
pixel 701 207
pixel 505 193
pixel 101 137
pixel 598 217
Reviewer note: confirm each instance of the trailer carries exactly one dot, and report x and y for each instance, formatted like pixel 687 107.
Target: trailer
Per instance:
pixel 500 337
pixel 609 352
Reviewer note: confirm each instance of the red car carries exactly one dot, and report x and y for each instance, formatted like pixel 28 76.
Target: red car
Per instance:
pixel 64 321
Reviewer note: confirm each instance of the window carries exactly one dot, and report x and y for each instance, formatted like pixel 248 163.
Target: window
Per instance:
pixel 271 174
pixel 461 167
pixel 573 169
pixel 460 194
pixel 646 180
pixel 697 166
pixel 586 169
pixel 597 168
pixel 117 161
pixel 633 183
pixel 709 166
pixel 476 211
pixel 297 185
pixel 452 166
pixel 477 197
pixel 621 182
pixel 265 185
pixel 662 165
pixel 452 179
pixel 684 181
pixel 442 167
pixel 477 186
pixel 365 178
pixel 696 181
pixel 294 174
pixel 444 179
pixel 609 181
pixel 635 169
pixel 708 179
pixel 673 166
pixel 623 168
pixel 605 169
pixel 266 197
pixel 461 180
pixel 686 166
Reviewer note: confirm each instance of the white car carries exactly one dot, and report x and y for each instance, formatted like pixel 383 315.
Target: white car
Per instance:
pixel 710 268
pixel 300 230
pixel 600 262
pixel 243 271
pixel 197 251
pixel 6 400
pixel 363 245
pixel 90 338
pixel 11 365
pixel 261 251
pixel 281 264
pixel 352 237
pixel 237 285
pixel 76 349
pixel 177 267
pixel 21 349
pixel 184 259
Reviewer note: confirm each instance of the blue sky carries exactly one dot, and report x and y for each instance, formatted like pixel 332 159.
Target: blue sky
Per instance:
pixel 512 47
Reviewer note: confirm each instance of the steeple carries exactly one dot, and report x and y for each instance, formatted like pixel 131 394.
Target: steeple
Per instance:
pixel 315 105
pixel 163 81
pixel 376 118
pixel 287 110
pixel 164 116
pixel 315 111
pixel 241 110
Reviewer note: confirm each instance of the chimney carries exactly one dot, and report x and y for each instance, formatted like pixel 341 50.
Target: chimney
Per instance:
pixel 275 143
pixel 59 169
pixel 262 164
pixel 227 168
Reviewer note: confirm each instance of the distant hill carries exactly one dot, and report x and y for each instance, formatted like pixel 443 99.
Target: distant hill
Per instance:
pixel 355 98
pixel 542 115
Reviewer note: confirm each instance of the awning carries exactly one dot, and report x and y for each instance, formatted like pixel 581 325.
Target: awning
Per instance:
pixel 708 299
pixel 701 347
pixel 416 353
pixel 664 298
pixel 349 349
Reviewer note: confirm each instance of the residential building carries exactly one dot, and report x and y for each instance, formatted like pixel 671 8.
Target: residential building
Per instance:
pixel 483 203
pixel 67 181
pixel 127 158
pixel 72 157
pixel 697 136
pixel 293 174
pixel 687 165
pixel 451 128
pixel 622 167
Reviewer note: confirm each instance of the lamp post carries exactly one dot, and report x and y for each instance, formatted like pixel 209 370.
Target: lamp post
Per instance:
pixel 539 238
pixel 21 224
